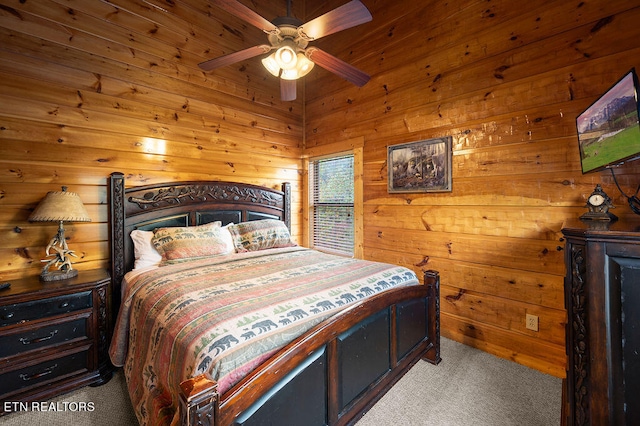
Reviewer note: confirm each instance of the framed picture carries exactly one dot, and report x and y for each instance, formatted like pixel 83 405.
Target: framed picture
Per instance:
pixel 609 130
pixel 423 166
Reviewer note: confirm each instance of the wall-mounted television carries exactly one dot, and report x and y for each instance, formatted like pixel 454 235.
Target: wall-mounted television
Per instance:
pixel 609 130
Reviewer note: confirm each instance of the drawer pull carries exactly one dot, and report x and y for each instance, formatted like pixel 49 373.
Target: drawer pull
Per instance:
pixel 46 371
pixel 7 316
pixel 64 304
pixel 26 341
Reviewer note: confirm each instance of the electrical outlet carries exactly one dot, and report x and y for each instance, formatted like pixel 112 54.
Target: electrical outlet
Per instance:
pixel 532 322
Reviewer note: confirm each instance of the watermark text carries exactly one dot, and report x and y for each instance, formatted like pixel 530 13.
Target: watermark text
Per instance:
pixel 13 406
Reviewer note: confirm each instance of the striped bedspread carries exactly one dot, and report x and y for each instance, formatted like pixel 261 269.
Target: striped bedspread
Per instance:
pixel 226 315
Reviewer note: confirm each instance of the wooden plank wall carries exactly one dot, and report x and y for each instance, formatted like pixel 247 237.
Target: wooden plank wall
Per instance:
pixel 506 80
pixel 92 87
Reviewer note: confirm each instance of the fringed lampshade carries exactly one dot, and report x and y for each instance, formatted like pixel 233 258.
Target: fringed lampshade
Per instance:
pixel 59 206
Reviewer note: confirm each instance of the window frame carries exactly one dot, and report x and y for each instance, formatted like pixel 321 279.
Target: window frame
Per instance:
pixel 321 236
pixel 353 147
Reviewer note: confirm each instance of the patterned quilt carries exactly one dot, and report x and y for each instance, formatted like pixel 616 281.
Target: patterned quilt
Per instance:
pixel 226 315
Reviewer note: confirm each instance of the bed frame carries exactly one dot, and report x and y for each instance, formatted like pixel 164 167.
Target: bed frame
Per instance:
pixel 331 375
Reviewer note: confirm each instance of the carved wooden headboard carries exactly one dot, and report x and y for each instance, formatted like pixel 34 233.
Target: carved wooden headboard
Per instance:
pixel 182 204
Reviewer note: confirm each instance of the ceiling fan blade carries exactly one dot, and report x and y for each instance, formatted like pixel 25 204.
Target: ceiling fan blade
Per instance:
pixel 243 12
pixel 337 66
pixel 287 90
pixel 232 58
pixel 346 16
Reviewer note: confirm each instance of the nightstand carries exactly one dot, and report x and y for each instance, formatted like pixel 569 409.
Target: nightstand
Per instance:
pixel 54 336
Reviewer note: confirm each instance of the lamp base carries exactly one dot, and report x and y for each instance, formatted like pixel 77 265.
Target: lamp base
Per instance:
pixel 58 275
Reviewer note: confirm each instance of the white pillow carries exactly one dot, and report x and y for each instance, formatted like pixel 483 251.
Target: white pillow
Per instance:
pixel 145 254
pixel 228 238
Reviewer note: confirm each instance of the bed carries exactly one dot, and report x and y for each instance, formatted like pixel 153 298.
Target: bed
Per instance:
pixel 323 338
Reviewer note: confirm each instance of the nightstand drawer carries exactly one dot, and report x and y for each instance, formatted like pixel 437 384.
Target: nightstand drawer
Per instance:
pixel 45 371
pixel 37 337
pixel 26 311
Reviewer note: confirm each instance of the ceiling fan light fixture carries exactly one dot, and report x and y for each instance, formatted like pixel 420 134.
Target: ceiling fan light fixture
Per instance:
pixel 289 74
pixel 303 67
pixel 286 55
pixel 271 64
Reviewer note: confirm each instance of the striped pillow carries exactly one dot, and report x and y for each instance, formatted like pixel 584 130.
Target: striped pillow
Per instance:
pixel 182 243
pixel 260 235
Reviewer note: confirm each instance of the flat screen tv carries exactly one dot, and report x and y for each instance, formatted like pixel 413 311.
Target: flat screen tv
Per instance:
pixel 609 130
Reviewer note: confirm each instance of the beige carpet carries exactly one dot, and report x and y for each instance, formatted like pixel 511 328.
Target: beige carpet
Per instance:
pixel 469 387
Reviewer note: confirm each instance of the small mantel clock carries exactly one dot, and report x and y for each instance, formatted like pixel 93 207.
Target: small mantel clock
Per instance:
pixel 599 204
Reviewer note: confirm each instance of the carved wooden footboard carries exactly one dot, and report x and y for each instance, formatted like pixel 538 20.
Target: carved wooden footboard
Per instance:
pixel 336 372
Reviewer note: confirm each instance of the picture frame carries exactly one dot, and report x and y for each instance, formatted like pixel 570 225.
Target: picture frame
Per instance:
pixel 421 166
pixel 609 129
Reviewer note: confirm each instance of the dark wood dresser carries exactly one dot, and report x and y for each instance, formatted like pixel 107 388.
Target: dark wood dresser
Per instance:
pixel 602 298
pixel 53 336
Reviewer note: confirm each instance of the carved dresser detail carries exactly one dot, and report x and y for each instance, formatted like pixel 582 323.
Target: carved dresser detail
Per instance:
pixel 602 298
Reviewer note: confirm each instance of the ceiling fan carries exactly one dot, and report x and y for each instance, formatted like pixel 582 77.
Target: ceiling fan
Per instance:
pixel 289 39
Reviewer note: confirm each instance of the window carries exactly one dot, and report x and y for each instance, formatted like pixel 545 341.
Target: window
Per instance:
pixel 331 185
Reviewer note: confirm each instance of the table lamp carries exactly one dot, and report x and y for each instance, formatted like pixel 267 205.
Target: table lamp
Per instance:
pixel 59 206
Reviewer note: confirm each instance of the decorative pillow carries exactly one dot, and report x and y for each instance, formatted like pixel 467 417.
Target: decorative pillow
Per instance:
pixel 144 252
pixel 192 242
pixel 260 235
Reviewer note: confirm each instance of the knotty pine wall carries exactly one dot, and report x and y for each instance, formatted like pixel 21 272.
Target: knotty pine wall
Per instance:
pixel 91 87
pixel 506 80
